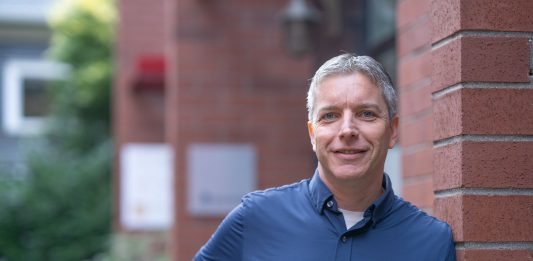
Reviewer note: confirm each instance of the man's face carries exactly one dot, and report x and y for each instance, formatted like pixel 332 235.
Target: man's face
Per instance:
pixel 351 132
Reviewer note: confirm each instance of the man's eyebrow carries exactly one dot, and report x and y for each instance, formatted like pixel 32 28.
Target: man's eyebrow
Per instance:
pixel 373 106
pixel 369 105
pixel 328 108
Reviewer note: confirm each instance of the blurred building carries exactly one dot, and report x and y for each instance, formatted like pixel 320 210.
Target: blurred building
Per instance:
pixel 209 103
pixel 25 74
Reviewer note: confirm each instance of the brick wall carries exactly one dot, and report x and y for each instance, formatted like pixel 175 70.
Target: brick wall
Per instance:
pixel 465 97
pixel 230 81
pixel 483 129
pixel 138 114
pixel 414 86
pixel 466 110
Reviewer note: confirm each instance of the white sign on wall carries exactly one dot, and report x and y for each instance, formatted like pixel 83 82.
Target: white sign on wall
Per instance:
pixel 218 176
pixel 146 186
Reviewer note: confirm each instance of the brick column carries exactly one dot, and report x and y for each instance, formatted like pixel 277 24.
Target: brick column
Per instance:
pixel 483 125
pixel 414 86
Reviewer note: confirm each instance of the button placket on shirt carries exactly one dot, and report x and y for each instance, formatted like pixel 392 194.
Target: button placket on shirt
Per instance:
pixel 344 239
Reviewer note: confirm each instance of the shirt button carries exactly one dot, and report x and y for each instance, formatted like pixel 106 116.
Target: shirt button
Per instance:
pixel 344 239
pixel 329 204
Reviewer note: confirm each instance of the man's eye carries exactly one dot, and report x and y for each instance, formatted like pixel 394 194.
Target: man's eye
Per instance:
pixel 329 116
pixel 368 114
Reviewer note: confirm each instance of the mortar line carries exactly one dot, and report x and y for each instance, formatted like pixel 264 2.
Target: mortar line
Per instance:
pixel 480 138
pixel 476 33
pixel 484 192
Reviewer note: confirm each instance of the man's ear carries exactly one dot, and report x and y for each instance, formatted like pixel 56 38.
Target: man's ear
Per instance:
pixel 394 131
pixel 311 130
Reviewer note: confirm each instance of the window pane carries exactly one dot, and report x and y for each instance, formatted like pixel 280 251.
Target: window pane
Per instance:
pixel 381 20
pixel 36 100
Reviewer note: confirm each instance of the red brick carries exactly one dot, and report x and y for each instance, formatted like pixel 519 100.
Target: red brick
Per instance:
pixel 130 27
pixel 497 15
pixel 487 218
pixel 446 63
pixel 450 16
pixel 415 100
pixel 481 59
pixel 445 18
pixel 494 254
pixel 415 38
pixel 447 116
pixel 414 69
pixel 450 209
pixel 475 111
pixel 410 11
pixel 419 191
pixel 416 131
pixel 418 163
pixel 498 164
pixel 447 166
pixel 484 165
pixel 482 108
pixel 498 59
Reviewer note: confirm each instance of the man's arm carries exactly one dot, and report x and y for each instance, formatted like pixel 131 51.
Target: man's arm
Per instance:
pixel 451 248
pixel 226 242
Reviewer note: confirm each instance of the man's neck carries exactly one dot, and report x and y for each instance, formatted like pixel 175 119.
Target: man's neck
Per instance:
pixel 354 195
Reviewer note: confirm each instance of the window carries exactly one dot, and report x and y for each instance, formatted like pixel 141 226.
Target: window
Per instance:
pixel 25 96
pixel 25 11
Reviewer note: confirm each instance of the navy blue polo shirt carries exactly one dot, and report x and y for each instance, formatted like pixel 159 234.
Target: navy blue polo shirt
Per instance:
pixel 301 221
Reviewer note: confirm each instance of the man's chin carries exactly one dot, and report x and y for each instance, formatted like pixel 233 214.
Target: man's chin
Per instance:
pixel 348 173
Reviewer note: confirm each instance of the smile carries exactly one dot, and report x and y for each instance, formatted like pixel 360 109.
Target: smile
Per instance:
pixel 349 151
pixel 349 154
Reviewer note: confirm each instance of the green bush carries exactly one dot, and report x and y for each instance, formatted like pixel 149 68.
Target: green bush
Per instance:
pixel 59 206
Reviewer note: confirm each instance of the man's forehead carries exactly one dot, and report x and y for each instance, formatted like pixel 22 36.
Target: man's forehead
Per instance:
pixel 344 74
pixel 349 93
pixel 346 78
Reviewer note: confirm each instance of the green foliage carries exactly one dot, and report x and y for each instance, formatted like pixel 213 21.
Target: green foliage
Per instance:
pixel 59 208
pixel 62 209
pixel 83 38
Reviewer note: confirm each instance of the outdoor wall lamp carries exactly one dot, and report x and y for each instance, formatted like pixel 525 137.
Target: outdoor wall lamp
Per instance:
pixel 299 19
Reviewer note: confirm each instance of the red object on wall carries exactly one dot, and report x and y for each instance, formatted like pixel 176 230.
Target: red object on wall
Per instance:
pixel 149 73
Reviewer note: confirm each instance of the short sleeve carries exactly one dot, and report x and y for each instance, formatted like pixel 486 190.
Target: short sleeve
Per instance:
pixel 226 243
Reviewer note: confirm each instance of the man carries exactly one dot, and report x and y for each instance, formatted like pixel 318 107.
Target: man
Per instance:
pixel 347 210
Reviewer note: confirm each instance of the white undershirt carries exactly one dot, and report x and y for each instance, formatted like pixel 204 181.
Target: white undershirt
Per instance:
pixel 351 217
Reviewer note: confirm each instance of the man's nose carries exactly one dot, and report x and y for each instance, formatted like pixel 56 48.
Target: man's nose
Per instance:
pixel 348 126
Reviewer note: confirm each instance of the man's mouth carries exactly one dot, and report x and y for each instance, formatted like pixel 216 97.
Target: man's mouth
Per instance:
pixel 349 151
pixel 346 151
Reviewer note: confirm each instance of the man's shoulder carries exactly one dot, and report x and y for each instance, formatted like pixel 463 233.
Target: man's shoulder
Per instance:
pixel 415 233
pixel 416 219
pixel 270 195
pixel 277 192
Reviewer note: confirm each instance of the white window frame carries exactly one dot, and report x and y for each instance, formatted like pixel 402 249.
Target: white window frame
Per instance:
pixel 14 122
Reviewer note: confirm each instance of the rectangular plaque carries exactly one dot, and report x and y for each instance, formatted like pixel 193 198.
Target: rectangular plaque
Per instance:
pixel 218 176
pixel 146 186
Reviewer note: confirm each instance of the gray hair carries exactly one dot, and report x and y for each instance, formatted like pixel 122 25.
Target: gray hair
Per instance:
pixel 350 63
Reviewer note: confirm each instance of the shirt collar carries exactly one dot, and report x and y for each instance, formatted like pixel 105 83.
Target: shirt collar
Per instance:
pixel 320 195
pixel 382 205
